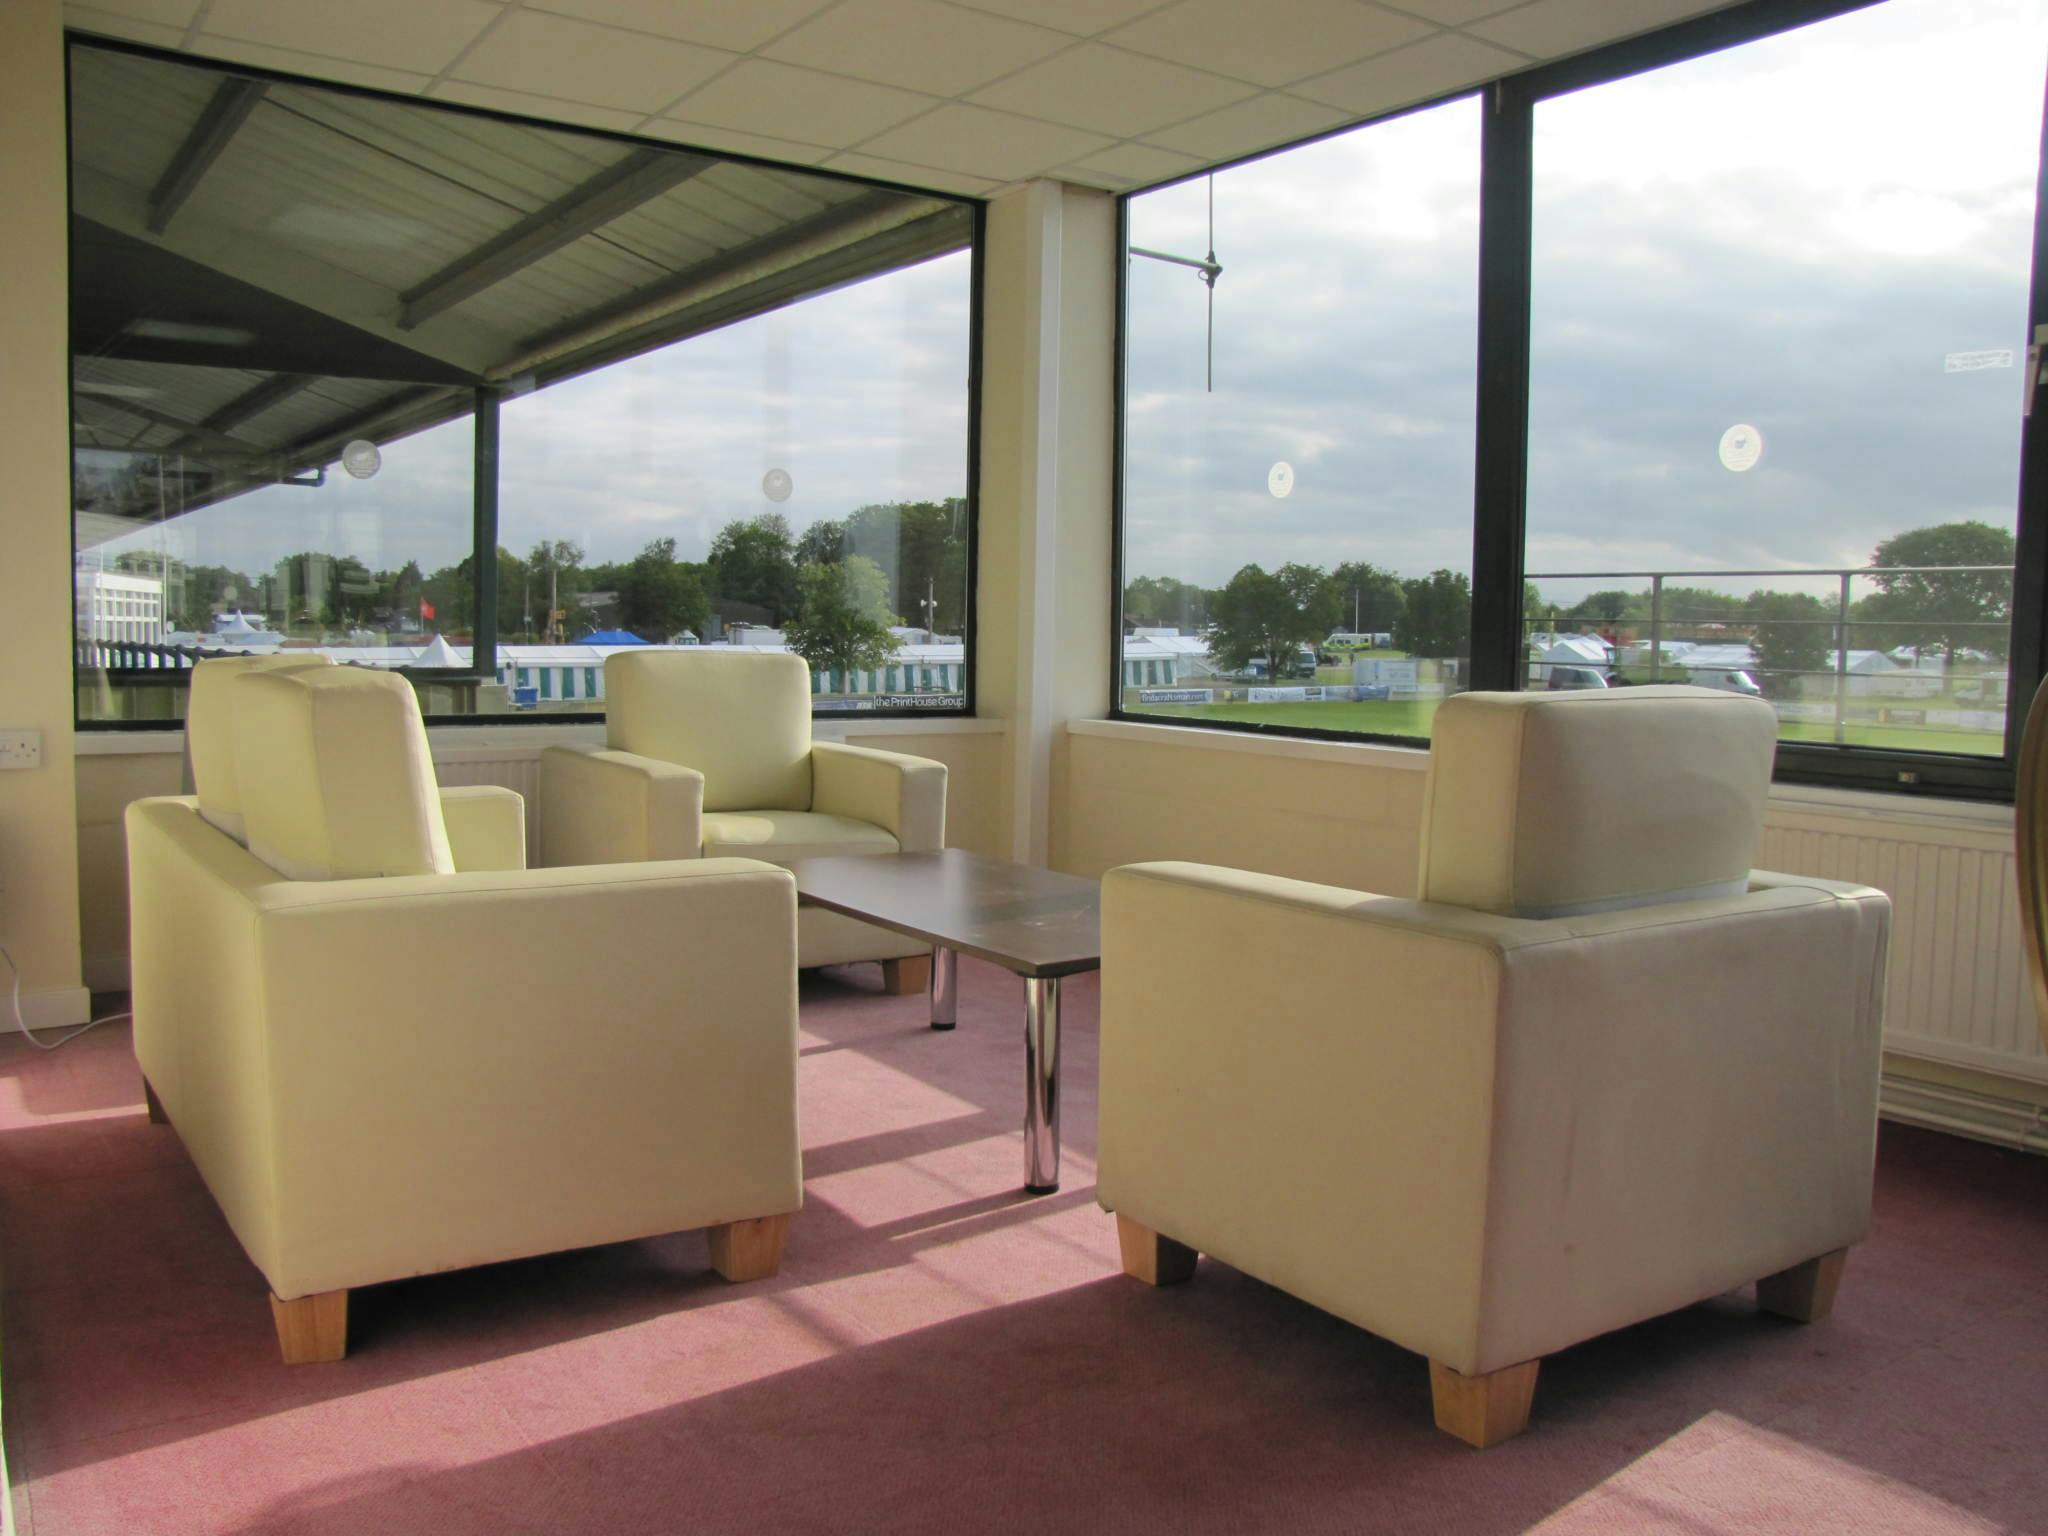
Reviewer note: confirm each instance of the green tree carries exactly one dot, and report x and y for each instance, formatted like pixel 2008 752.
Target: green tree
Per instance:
pixel 555 572
pixel 659 595
pixel 843 617
pixel 1437 620
pixel 1164 602
pixel 754 561
pixel 921 547
pixel 1792 636
pixel 1606 610
pixel 1947 611
pixel 1369 600
pixel 823 543
pixel 1271 616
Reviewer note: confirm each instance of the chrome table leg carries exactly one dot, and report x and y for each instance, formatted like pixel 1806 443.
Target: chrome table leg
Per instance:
pixel 1042 1084
pixel 945 987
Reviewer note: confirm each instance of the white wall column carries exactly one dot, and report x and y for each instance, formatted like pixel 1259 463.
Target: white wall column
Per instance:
pixel 38 806
pixel 1048 336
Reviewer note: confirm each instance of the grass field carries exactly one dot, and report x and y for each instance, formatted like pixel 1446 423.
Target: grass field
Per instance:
pixel 1411 717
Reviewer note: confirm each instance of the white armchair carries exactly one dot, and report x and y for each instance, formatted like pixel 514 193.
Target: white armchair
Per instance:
pixel 1599 1071
pixel 384 1065
pixel 710 753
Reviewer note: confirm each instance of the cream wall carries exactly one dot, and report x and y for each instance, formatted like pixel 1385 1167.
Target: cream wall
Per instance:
pixel 38 863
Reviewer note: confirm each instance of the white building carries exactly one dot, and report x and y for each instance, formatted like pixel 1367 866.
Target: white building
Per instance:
pixel 119 609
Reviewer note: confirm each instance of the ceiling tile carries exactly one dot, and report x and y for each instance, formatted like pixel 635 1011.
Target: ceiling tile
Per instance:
pixel 577 61
pixel 711 136
pixel 1250 125
pixel 1084 18
pixel 550 109
pixel 1550 28
pixel 911 175
pixel 136 30
pixel 984 143
pixel 1428 68
pixel 398 34
pixel 757 96
pixel 1132 165
pixel 917 44
pixel 319 67
pixel 163 13
pixel 1110 91
pixel 1451 13
pixel 740 25
pixel 1268 44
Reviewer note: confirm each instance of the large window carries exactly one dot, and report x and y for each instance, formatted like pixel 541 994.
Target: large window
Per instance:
pixel 1755 300
pixel 1779 306
pixel 481 401
pixel 1297 544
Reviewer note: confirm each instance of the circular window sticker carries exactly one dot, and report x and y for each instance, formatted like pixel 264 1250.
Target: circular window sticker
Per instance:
pixel 361 458
pixel 1741 446
pixel 1280 480
pixel 776 485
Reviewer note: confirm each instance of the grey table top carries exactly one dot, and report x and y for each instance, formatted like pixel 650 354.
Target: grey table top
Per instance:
pixel 1036 922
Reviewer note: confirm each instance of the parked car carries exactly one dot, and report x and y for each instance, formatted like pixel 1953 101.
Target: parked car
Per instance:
pixel 1576 677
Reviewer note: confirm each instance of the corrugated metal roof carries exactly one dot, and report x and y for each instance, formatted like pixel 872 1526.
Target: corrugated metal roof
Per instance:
pixel 345 204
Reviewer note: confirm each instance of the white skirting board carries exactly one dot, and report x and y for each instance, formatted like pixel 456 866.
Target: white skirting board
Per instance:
pixel 54 1007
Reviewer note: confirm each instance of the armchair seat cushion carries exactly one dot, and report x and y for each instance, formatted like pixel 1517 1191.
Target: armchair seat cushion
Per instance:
pixel 780 837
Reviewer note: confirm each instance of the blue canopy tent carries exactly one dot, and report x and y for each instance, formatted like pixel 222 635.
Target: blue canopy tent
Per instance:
pixel 611 637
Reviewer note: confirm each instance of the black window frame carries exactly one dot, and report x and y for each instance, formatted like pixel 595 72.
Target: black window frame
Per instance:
pixel 1500 485
pixel 484 412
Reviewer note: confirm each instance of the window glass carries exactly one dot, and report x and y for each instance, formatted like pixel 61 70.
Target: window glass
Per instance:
pixel 469 397
pixel 1297 536
pixel 1778 323
pixel 793 482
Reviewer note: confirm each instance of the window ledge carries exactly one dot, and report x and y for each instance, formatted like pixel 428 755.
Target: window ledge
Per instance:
pixel 1794 799
pixel 456 743
pixel 1194 738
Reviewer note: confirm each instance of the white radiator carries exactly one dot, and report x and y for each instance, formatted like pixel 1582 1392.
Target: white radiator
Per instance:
pixel 512 767
pixel 1958 986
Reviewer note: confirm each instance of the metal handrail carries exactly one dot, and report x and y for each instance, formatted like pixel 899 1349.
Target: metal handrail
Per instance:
pixel 1841 623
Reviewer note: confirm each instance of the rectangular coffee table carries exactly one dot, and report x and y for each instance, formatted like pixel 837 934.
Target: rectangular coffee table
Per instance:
pixel 1037 923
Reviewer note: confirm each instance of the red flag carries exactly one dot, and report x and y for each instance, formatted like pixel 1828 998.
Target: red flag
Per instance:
pixel 426 609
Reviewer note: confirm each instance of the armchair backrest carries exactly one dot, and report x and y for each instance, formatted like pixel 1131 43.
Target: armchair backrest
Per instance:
pixel 1552 804
pixel 740 718
pixel 210 733
pixel 336 780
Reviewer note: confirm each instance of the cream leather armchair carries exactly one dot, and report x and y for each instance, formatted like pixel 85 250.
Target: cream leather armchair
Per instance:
pixel 384 1065
pixel 710 753
pixel 1599 1071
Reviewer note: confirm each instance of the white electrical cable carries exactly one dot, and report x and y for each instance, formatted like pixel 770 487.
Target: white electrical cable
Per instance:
pixel 21 1023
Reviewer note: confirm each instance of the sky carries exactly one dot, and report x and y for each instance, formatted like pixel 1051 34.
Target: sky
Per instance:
pixel 1792 236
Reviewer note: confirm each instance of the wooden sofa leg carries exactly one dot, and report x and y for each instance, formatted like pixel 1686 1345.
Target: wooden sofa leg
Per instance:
pixel 1483 1410
pixel 312 1329
pixel 1805 1292
pixel 155 1104
pixel 913 973
pixel 1151 1258
pixel 748 1250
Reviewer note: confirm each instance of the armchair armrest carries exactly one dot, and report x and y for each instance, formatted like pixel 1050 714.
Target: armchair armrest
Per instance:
pixel 1486 1137
pixel 486 826
pixel 604 807
pixel 904 795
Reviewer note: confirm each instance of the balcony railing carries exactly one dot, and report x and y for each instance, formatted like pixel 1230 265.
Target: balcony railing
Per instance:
pixel 1663 627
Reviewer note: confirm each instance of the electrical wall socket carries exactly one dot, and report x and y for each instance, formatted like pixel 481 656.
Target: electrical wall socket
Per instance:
pixel 20 748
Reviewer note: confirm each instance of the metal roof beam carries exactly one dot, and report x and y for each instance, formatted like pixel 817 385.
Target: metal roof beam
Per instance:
pixel 641 176
pixel 196 433
pixel 224 115
pixel 254 402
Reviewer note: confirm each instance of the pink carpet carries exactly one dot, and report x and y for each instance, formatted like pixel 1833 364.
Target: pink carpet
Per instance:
pixel 942 1353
